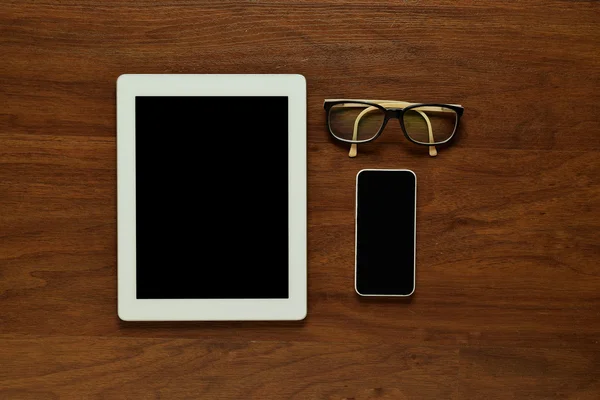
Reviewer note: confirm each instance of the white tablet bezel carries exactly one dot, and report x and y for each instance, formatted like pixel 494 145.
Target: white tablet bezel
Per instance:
pixel 132 309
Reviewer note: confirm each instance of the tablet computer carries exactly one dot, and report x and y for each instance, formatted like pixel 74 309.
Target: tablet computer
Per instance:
pixel 211 179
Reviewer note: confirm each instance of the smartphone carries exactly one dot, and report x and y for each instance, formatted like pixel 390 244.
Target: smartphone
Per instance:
pixel 385 232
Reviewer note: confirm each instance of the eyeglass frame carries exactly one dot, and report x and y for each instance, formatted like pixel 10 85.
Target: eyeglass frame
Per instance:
pixel 389 113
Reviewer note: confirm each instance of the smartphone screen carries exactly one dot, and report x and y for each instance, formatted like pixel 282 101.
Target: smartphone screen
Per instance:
pixel 385 232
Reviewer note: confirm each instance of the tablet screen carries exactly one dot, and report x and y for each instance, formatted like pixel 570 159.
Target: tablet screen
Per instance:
pixel 211 197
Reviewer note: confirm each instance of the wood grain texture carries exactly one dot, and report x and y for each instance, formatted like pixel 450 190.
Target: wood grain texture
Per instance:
pixel 193 368
pixel 508 278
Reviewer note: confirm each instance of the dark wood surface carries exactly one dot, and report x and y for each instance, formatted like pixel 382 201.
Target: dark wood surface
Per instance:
pixel 508 273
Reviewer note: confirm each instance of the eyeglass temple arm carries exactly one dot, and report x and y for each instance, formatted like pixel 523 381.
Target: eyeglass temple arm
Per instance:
pixel 393 103
pixel 432 149
pixel 354 146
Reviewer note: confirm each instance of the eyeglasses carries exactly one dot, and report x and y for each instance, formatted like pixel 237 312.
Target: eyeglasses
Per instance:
pixel 361 121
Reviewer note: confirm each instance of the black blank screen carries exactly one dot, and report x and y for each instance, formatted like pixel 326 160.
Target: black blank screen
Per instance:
pixel 211 197
pixel 385 232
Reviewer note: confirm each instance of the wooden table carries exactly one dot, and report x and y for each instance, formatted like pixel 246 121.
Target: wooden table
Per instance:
pixel 508 272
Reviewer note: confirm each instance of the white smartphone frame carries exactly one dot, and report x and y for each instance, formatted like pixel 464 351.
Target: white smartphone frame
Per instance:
pixel 356 237
pixel 132 309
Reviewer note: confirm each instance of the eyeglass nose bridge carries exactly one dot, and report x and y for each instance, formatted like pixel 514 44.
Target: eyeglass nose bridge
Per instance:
pixel 393 112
